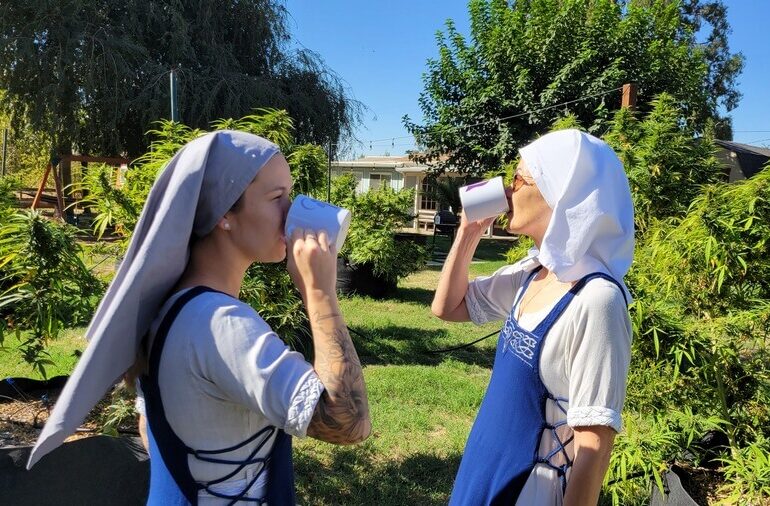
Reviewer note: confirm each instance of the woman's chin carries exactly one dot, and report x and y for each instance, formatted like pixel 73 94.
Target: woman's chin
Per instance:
pixel 511 227
pixel 281 255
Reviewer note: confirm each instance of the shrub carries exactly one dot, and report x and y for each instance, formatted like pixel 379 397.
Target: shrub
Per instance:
pixel 665 163
pixel 701 322
pixel 7 198
pixel 376 217
pixel 747 475
pixel 645 448
pixel 45 284
pixel 519 250
pixel 269 289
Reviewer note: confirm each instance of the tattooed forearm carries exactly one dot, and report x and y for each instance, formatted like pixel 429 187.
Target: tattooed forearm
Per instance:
pixel 342 413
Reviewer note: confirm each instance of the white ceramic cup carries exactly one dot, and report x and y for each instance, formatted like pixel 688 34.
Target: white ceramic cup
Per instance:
pixel 484 199
pixel 311 214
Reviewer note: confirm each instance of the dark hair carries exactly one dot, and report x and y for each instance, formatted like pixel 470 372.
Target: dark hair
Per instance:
pixel 237 205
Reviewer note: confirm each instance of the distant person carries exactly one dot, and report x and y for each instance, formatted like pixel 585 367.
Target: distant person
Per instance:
pixel 545 429
pixel 223 393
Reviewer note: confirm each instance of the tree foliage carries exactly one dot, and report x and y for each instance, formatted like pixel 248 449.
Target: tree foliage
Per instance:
pixel 27 151
pixel 94 75
pixel 524 57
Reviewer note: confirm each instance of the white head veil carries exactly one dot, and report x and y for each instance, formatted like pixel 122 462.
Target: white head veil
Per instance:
pixel 592 225
pixel 197 187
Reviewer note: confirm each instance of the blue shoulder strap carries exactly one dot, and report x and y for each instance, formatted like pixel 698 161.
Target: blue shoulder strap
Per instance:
pixel 172 449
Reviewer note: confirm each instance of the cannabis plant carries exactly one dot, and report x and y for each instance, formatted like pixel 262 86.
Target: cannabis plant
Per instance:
pixel 376 217
pixel 44 284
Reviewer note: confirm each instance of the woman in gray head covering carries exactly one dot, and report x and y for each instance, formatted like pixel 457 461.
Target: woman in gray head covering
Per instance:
pixel 223 392
pixel 545 430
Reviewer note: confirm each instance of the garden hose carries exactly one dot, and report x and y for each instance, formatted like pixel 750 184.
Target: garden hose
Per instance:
pixel 444 350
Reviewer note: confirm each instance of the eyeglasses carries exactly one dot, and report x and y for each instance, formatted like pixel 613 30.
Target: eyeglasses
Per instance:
pixel 519 181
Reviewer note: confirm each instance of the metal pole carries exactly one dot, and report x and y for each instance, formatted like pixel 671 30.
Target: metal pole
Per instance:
pixel 329 174
pixel 174 106
pixel 5 148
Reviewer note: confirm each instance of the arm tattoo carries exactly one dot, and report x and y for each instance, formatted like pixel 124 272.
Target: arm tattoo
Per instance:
pixel 342 413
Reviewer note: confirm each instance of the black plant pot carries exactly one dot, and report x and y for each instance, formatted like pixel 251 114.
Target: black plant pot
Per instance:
pixel 360 279
pixel 419 239
pixel 93 470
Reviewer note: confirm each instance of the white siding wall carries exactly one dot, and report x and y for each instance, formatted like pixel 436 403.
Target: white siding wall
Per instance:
pixel 396 178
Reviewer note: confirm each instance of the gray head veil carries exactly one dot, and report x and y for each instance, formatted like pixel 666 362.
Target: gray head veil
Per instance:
pixel 197 187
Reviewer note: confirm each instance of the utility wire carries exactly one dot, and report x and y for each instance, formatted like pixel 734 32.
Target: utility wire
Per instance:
pixel 498 120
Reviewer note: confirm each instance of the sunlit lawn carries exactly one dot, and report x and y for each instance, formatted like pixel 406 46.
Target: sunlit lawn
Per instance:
pixel 62 352
pixel 422 403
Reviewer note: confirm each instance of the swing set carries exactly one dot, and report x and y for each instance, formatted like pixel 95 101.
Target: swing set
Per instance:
pixel 55 198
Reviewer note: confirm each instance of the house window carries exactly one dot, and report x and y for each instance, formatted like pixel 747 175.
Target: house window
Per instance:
pixel 377 181
pixel 425 201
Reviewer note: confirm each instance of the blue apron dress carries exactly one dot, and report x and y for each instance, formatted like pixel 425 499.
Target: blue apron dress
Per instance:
pixel 504 444
pixel 171 482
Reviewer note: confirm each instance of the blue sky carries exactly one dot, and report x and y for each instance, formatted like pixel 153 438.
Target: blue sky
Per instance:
pixel 379 49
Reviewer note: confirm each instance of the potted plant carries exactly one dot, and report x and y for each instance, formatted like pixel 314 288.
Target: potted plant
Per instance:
pixel 374 258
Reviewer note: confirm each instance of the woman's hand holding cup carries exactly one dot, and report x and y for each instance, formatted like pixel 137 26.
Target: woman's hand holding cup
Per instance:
pixel 312 261
pixel 474 228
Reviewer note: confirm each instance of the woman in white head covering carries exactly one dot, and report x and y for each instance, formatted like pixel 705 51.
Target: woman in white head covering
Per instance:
pixel 223 393
pixel 545 429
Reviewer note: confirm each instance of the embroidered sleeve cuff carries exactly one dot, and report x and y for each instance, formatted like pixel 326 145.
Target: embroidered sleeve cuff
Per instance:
pixel 474 308
pixel 303 405
pixel 585 416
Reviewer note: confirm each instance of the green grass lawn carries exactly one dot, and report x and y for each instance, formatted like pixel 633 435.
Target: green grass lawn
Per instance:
pixel 422 403
pixel 62 352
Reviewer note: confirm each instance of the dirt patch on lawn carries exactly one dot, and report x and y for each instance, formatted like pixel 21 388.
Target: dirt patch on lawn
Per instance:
pixel 21 421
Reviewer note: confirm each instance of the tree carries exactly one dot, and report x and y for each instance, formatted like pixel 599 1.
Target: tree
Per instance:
pixel 94 75
pixel 525 57
pixel 27 152
pixel 723 67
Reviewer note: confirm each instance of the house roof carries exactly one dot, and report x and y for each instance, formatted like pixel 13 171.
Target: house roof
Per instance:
pixel 743 148
pixel 382 162
pixel 746 158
